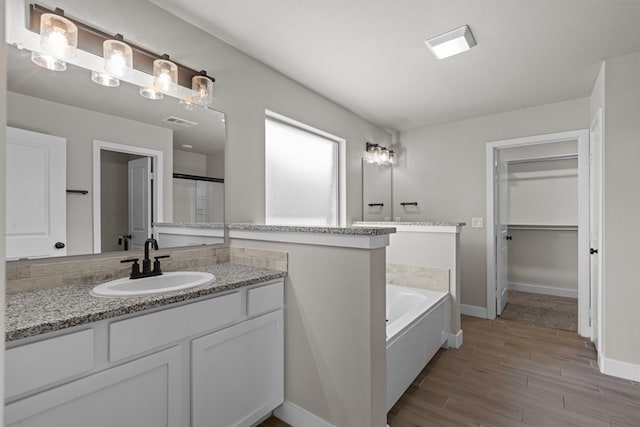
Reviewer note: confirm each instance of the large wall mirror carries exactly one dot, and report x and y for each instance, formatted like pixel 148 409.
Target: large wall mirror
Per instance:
pixel 121 161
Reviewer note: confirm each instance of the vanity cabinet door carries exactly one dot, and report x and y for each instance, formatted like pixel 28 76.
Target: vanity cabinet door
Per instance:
pixel 238 373
pixel 144 392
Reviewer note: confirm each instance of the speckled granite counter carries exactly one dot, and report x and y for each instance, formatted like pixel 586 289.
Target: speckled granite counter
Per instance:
pixel 356 231
pixel 394 223
pixel 36 312
pixel 207 225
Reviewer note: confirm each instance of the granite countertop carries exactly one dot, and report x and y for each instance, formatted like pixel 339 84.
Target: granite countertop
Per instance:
pixel 428 223
pixel 356 231
pixel 212 225
pixel 36 312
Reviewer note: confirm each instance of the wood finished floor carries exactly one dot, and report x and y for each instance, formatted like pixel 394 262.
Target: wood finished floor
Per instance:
pixel 512 374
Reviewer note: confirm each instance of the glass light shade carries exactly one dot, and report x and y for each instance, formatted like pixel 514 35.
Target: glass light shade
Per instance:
pixel 202 88
pixel 377 154
pixel 104 79
pixel 393 159
pixel 118 58
pixel 48 61
pixel 150 93
pixel 165 75
pixel 188 104
pixel 58 36
pixel 384 156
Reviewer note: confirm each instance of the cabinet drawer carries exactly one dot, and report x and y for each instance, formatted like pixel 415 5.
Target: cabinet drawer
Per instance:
pixel 265 298
pixel 140 334
pixel 35 365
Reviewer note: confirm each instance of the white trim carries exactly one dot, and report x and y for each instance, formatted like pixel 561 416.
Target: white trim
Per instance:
pixel 472 310
pixel 417 228
pixel 620 369
pixel 158 190
pixel 454 340
pixel 543 290
pixel 598 119
pixel 582 136
pixel 292 414
pixel 324 239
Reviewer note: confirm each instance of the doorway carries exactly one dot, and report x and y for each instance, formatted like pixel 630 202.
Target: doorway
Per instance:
pixel 498 226
pixel 134 180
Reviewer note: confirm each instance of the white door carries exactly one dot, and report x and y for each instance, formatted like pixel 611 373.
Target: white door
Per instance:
pixel 140 191
pixel 595 213
pixel 36 223
pixel 502 233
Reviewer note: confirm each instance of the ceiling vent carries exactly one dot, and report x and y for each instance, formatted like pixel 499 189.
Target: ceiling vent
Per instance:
pixel 180 122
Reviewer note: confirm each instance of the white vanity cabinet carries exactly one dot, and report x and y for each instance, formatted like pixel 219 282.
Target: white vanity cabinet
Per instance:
pixel 213 362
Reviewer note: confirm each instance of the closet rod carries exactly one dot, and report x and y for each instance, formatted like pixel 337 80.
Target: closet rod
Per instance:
pixel 572 156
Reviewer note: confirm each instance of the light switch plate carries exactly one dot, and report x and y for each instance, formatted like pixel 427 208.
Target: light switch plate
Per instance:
pixel 477 222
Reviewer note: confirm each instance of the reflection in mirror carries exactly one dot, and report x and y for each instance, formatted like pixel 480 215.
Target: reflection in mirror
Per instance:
pixel 90 169
pixel 376 192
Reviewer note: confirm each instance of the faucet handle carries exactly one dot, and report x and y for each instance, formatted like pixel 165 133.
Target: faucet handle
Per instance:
pixel 156 263
pixel 135 268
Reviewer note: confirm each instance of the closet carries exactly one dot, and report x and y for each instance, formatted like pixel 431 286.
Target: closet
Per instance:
pixel 542 232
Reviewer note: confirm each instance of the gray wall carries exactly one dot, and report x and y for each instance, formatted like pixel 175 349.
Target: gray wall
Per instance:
pixel 621 269
pixel 3 119
pixel 215 165
pixel 244 88
pixel 80 127
pixel 444 170
pixel 189 163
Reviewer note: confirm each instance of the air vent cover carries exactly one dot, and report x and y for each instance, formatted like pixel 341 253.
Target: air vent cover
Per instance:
pixel 180 122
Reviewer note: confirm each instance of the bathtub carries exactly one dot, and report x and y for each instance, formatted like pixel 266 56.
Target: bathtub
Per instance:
pixel 417 322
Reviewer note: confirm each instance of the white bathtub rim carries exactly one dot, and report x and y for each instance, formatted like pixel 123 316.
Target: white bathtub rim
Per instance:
pixel 415 315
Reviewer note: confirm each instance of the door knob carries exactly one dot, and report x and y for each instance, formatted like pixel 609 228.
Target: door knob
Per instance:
pixel 509 237
pixel 593 251
pixel 59 245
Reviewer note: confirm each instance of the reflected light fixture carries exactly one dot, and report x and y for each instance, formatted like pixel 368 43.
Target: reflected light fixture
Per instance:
pixel 118 57
pixel 381 156
pixel 104 79
pixel 451 43
pixel 58 40
pixel 202 89
pixel 150 93
pixel 165 75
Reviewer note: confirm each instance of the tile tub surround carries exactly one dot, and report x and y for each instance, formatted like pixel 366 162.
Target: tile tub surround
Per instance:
pixel 415 276
pixel 45 310
pixel 27 275
pixel 277 260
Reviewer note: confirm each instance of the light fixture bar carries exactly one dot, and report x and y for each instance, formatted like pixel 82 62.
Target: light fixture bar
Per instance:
pixel 451 43
pixel 91 40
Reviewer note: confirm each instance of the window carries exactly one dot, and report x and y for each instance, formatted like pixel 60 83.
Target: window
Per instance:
pixel 301 174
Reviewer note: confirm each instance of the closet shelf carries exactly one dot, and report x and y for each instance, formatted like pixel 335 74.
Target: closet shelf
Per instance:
pixel 547 227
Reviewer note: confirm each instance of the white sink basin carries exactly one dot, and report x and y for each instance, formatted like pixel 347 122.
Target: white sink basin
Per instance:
pixel 167 282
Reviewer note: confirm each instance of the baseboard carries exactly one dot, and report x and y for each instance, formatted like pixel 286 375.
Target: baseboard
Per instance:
pixel 618 368
pixel 472 310
pixel 292 414
pixel 454 340
pixel 544 290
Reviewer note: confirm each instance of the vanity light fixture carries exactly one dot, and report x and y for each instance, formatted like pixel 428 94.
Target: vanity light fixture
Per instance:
pixel 61 36
pixel 58 40
pixel 165 75
pixel 451 43
pixel 381 156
